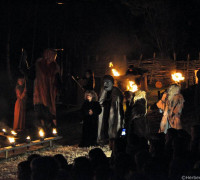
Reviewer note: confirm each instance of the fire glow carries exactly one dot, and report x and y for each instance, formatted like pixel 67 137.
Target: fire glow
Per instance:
pixel 11 140
pixel 41 133
pixel 177 77
pixel 28 139
pixel 132 86
pixel 114 71
pixel 13 133
pixel 54 131
pixel 4 130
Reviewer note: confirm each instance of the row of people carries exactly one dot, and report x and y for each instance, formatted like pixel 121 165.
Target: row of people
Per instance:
pixel 171 156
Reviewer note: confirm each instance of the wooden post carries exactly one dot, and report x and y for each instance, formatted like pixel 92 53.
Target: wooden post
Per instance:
pixel 6 154
pixel 159 95
pixel 50 143
pixel 174 56
pixel 188 78
pixel 154 57
pixel 140 59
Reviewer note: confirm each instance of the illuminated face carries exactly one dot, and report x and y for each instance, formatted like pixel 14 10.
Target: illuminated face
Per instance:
pixel 87 75
pixel 89 97
pixel 20 81
pixel 108 85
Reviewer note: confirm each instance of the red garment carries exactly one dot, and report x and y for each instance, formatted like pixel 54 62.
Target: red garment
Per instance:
pixel 45 84
pixel 20 109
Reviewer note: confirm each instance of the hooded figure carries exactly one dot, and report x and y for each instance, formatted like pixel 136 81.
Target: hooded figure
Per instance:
pixel 171 104
pixel 111 117
pixel 45 86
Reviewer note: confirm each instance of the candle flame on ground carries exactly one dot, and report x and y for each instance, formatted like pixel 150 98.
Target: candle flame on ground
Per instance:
pixel 54 131
pixel 13 133
pixel 11 139
pixel 177 77
pixel 41 133
pixel 132 86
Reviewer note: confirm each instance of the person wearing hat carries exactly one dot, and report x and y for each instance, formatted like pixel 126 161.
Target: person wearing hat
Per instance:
pixel 111 117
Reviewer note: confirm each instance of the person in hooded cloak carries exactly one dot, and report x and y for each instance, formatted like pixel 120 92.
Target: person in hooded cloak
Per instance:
pixel 112 115
pixel 46 87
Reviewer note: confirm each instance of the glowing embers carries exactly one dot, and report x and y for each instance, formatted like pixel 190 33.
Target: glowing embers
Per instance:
pixel 132 86
pixel 114 71
pixel 177 77
pixel 41 134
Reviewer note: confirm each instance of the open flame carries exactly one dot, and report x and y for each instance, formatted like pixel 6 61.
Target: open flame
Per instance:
pixel 177 77
pixel 110 64
pixel 132 86
pixel 4 130
pixel 114 71
pixel 11 140
pixel 54 131
pixel 13 133
pixel 41 133
pixel 28 138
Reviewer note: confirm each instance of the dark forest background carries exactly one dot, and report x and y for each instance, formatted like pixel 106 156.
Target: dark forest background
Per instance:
pixel 91 27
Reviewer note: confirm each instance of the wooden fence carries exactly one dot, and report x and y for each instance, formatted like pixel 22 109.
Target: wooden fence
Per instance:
pixel 161 69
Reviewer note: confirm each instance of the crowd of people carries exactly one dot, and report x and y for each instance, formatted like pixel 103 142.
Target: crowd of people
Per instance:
pixel 173 155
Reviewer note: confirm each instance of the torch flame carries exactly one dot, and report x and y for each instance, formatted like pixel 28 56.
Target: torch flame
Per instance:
pixel 110 64
pixel 4 130
pixel 54 131
pixel 41 133
pixel 132 86
pixel 11 139
pixel 13 133
pixel 28 138
pixel 177 77
pixel 115 73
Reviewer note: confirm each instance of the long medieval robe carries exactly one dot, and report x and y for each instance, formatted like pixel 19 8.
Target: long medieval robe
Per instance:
pixel 171 112
pixel 138 124
pixel 45 88
pixel 111 117
pixel 20 108
pixel 90 123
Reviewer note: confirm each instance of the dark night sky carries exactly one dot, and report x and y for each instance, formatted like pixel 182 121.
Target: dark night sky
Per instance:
pixel 93 27
pixel 90 27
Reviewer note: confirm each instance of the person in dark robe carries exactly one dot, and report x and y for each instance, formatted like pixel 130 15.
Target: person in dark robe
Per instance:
pixel 137 123
pixel 88 81
pixel 129 102
pixel 90 111
pixel 20 105
pixel 112 115
pixel 46 85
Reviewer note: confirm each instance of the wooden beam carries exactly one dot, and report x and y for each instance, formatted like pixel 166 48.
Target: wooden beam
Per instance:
pixel 32 143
